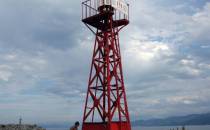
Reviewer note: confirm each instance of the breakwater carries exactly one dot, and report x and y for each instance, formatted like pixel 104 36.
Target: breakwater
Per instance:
pixel 20 127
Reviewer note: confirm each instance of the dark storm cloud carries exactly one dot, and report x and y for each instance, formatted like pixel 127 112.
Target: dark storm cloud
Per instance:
pixel 35 25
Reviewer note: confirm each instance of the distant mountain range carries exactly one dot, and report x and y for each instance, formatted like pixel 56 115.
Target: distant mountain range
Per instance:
pixel 194 119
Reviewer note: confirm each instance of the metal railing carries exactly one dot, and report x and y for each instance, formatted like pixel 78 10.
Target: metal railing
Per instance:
pixel 90 8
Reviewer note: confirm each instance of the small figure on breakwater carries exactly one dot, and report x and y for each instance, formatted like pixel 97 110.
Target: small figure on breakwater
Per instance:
pixel 183 127
pixel 75 127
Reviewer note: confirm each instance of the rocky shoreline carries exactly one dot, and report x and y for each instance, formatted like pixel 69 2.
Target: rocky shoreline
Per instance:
pixel 20 127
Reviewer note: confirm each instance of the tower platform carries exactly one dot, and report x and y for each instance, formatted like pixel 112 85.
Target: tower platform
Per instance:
pixel 97 21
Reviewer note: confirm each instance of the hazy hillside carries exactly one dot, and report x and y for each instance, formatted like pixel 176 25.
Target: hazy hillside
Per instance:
pixel 194 119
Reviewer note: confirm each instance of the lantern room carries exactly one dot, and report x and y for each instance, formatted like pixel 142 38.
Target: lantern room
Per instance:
pixel 95 11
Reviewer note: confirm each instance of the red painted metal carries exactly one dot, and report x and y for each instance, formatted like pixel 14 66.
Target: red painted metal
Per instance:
pixel 106 106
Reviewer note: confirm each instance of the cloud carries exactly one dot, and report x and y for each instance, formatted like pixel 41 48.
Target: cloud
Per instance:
pixel 45 56
pixel 41 24
pixel 183 59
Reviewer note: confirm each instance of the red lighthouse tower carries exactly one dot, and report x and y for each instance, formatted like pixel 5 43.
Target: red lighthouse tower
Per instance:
pixel 106 106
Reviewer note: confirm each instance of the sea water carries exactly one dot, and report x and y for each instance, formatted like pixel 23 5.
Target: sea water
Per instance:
pixel 205 127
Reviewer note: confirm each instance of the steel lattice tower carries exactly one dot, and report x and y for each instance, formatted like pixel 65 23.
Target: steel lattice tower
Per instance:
pixel 106 106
